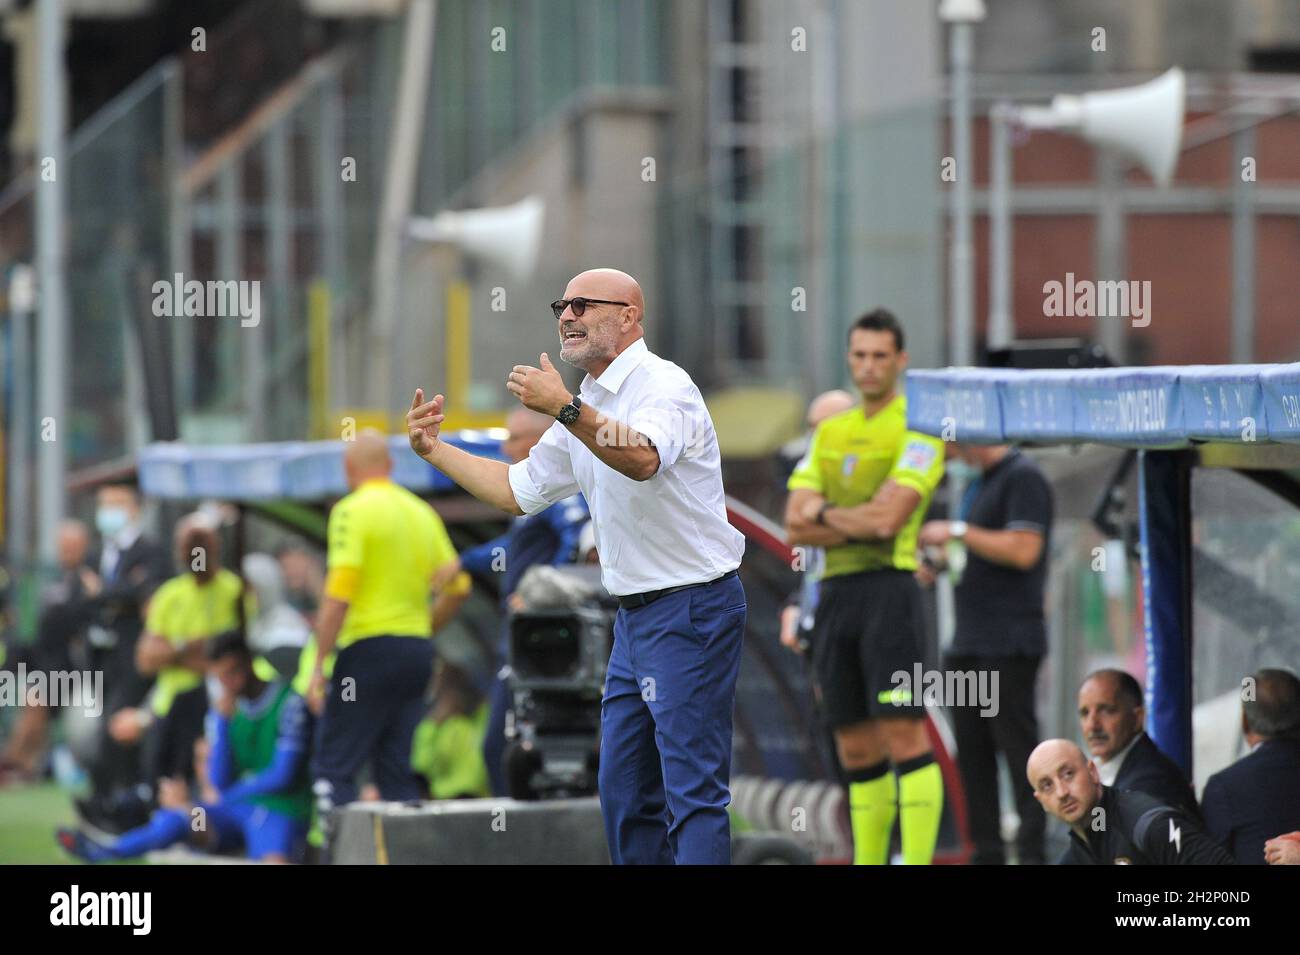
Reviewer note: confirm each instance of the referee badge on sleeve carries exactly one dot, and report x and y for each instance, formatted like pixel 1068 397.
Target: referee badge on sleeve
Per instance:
pixel 918 455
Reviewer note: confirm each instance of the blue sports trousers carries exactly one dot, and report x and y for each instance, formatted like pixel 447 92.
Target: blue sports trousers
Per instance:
pixel 665 747
pixel 259 830
pixel 371 719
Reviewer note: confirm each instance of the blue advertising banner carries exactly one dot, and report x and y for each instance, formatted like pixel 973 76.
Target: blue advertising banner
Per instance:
pixel 288 470
pixel 1160 407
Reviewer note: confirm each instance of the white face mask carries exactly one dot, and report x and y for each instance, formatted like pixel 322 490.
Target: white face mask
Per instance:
pixel 961 470
pixel 110 521
pixel 215 689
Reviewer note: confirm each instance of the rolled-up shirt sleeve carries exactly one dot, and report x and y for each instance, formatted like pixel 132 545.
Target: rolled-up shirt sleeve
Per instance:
pixel 674 421
pixel 546 475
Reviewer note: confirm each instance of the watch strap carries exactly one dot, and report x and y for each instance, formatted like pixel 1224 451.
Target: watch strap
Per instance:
pixel 569 413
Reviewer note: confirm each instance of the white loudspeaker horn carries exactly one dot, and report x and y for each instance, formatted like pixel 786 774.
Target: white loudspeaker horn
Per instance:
pixel 508 236
pixel 1144 122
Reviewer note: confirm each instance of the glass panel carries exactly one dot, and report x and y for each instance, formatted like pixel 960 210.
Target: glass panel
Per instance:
pixel 1246 613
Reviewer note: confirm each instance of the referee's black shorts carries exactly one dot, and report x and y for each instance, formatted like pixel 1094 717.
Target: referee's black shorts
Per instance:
pixel 868 626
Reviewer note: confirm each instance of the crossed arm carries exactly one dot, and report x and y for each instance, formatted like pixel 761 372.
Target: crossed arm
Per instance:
pixel 879 518
pixel 154 652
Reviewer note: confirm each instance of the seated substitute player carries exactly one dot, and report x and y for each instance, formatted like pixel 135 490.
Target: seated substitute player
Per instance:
pixel 1114 826
pixel 861 493
pixel 259 737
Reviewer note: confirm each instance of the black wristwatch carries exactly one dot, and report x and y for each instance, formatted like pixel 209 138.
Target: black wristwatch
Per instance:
pixel 569 413
pixel 821 513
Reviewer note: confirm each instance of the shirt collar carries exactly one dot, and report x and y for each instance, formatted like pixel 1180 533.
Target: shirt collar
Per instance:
pixel 894 404
pixel 1003 461
pixel 1110 767
pixel 612 378
pixel 258 704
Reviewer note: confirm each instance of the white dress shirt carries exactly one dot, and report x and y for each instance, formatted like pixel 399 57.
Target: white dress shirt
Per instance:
pixel 1108 769
pixel 114 548
pixel 665 532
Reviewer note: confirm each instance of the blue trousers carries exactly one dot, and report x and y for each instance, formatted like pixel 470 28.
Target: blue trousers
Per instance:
pixel 665 746
pixel 259 830
pixel 373 703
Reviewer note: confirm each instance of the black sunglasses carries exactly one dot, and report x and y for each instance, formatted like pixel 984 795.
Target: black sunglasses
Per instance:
pixel 579 305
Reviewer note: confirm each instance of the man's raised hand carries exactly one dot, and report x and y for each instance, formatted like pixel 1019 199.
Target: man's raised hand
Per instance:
pixel 423 422
pixel 541 389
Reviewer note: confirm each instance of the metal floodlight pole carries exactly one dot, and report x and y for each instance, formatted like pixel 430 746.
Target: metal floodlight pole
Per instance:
pixel 1110 252
pixel 22 302
pixel 1243 250
pixel 399 191
pixel 51 358
pixel 1001 324
pixel 962 15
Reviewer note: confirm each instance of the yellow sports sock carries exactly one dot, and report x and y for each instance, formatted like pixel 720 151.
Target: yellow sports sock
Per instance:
pixel 873 799
pixel 920 807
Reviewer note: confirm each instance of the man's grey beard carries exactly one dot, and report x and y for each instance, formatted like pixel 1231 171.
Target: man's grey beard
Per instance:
pixel 591 353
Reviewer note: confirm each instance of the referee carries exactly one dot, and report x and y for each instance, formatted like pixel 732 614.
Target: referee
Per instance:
pixel 860 493
pixel 639 443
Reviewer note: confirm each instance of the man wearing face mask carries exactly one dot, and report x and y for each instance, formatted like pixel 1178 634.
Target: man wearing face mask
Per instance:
pixel 183 614
pixel 260 737
pixel 1003 532
pixel 131 565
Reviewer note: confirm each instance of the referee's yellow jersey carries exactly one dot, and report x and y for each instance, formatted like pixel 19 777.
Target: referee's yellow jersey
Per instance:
pixel 850 457
pixel 385 545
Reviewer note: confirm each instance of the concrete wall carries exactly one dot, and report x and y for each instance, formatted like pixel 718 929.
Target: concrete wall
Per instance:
pixel 1055 36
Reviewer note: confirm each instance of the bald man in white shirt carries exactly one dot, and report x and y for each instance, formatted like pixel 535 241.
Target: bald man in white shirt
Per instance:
pixel 638 442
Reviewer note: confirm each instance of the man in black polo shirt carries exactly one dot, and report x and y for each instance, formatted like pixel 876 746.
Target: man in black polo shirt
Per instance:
pixel 1005 520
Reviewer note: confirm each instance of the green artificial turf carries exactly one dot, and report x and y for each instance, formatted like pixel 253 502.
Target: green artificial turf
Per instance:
pixel 29 814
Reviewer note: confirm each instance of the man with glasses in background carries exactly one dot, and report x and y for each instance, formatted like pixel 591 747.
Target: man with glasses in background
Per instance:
pixel 638 442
